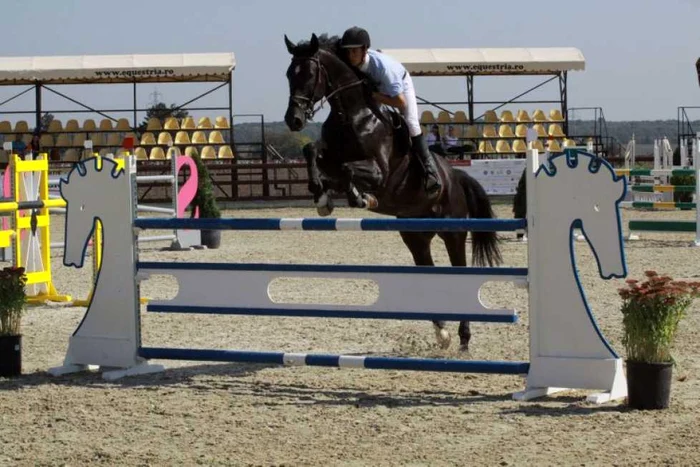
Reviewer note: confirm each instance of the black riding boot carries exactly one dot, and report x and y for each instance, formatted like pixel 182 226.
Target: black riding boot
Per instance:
pixel 419 148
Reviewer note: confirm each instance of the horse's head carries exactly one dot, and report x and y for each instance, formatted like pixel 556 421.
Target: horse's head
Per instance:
pixel 306 82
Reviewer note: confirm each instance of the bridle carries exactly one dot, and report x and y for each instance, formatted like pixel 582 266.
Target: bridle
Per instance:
pixel 307 103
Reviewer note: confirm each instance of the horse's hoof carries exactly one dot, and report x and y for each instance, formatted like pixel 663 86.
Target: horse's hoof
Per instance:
pixel 464 348
pixel 443 337
pixel 324 205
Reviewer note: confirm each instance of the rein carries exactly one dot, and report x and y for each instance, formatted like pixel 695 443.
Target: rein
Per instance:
pixel 310 102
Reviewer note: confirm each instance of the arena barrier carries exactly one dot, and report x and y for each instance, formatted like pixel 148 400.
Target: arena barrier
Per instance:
pixel 571 191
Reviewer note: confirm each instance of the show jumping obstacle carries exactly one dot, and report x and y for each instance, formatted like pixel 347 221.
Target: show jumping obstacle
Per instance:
pixel 567 350
pixel 666 225
pixel 26 187
pixel 28 235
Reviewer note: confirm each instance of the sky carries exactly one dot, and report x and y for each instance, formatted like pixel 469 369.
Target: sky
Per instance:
pixel 640 55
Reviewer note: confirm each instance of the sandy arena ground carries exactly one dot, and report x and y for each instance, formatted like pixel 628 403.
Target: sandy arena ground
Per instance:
pixel 244 414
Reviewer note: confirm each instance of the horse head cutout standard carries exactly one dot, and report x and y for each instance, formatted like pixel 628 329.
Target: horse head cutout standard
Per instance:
pixel 362 154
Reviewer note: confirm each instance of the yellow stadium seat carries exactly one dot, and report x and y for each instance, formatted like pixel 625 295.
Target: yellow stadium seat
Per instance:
pixel 55 126
pixel 3 156
pixel 121 152
pixel 113 139
pixel 537 144
pixel 444 117
pixel 222 123
pixel 79 139
pixel 21 127
pixel 427 117
pixel 505 131
pixel 141 154
pixel 171 123
pixel 521 130
pixel 472 132
pixel 154 124
pixel 555 116
pixel 489 131
pixel 216 138
pixel 72 125
pixel 191 151
pixel 63 141
pixel 104 152
pixel 46 141
pixel 187 124
pixel 157 153
pixel 89 125
pixel 182 137
pixel 199 138
pixel 553 146
pixel 569 143
pixel 165 139
pixel 519 145
pixel 98 139
pixel 539 128
pixel 539 116
pixel 460 117
pixel 507 117
pixel 5 127
pixel 208 152
pixel 106 124
pixel 225 152
pixel 172 152
pixel 204 124
pixel 148 139
pixel 71 155
pixel 123 125
pixel 523 116
pixel 485 147
pixel 555 130
pixel 490 116
pixel 502 146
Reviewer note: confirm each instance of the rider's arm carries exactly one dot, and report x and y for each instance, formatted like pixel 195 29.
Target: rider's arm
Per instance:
pixel 397 101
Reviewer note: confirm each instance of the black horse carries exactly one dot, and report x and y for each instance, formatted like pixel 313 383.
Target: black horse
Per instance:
pixel 364 152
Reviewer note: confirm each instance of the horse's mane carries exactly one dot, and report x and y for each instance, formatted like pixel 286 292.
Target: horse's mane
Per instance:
pixel 325 42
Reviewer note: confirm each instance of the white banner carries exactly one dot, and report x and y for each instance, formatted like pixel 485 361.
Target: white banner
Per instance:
pixel 498 177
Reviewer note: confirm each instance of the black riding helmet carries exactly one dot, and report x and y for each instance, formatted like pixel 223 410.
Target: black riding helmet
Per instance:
pixel 355 37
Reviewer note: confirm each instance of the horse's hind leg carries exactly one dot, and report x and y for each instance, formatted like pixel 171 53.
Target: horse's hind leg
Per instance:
pixel 418 244
pixel 457 251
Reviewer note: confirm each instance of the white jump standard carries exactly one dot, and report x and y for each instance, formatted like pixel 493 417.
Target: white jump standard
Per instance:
pixel 567 350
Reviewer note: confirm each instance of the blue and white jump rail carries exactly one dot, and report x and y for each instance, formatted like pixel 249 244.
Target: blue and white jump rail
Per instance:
pixel 567 349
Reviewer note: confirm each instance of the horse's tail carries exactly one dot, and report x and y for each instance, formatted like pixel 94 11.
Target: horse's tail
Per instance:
pixel 485 245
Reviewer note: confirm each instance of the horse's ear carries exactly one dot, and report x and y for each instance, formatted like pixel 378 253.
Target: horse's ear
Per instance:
pixel 314 43
pixel 290 45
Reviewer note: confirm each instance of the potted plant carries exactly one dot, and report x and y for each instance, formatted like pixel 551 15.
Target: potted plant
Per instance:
pixel 204 203
pixel 651 312
pixel 13 298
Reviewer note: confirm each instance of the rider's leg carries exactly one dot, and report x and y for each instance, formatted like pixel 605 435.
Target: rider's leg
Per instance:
pixel 419 147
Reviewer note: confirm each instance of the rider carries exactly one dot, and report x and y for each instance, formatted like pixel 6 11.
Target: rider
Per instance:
pixel 395 89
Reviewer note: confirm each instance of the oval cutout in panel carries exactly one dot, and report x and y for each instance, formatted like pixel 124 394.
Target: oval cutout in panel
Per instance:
pixel 319 291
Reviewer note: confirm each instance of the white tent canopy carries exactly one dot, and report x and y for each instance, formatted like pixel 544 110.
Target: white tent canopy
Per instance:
pixel 510 61
pixel 84 69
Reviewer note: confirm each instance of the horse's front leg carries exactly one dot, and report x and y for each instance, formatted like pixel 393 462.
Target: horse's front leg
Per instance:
pixel 368 176
pixel 322 199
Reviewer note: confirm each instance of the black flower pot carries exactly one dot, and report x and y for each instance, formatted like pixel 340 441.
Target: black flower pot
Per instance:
pixel 649 385
pixel 211 238
pixel 10 356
